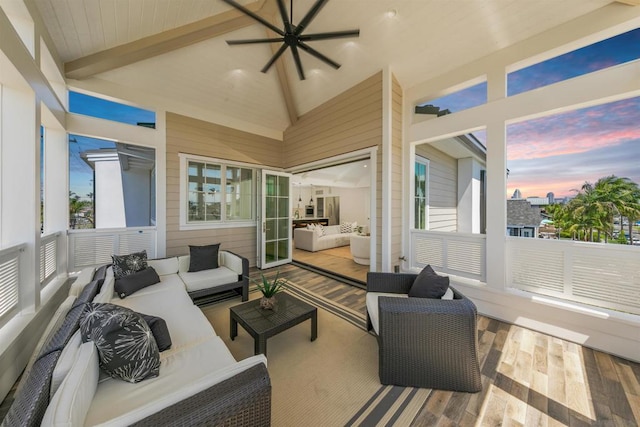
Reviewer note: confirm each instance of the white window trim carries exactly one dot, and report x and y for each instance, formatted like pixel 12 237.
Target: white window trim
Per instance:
pixel 426 162
pixel 184 224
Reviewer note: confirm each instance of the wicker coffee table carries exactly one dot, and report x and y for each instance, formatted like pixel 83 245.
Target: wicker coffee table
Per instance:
pixel 262 324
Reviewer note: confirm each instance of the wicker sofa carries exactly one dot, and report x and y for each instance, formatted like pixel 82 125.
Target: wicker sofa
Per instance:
pixel 199 382
pixel 423 342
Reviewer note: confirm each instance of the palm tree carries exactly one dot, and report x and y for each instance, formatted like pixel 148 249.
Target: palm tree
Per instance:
pixel 75 207
pixel 589 211
pixel 595 206
pixel 630 204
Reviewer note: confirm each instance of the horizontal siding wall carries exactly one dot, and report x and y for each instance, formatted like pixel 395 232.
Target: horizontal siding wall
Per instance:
pixel 349 122
pixel 191 136
pixel 443 188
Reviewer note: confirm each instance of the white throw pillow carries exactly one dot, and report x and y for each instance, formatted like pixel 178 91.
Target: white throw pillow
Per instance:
pixel 320 230
pixel 311 226
pixel 65 362
pixel 70 404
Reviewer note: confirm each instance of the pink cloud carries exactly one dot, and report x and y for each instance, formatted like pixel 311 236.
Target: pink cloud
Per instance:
pixel 578 143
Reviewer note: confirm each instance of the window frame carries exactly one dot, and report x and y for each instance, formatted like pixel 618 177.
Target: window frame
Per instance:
pixel 223 222
pixel 414 197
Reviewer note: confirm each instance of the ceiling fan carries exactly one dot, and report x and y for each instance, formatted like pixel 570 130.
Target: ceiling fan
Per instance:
pixel 291 36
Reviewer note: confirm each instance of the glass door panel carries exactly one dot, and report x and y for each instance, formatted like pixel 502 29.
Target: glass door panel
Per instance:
pixel 276 219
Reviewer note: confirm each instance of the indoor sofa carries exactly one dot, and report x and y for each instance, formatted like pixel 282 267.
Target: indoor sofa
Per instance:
pixel 318 239
pixel 198 383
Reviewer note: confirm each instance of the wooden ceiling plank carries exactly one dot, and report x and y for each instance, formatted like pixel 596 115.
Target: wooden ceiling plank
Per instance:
pixel 160 43
pixel 284 81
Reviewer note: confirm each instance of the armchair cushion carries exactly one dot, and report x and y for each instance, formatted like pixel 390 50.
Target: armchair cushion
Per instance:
pixel 429 284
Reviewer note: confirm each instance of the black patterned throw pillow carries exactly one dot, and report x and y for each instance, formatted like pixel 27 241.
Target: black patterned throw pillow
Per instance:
pixel 126 347
pixel 123 265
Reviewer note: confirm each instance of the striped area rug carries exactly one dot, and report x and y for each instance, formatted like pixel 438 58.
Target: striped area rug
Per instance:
pixel 332 381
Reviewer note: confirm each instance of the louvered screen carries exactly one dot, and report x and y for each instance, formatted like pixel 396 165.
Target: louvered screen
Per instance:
pixel 537 270
pixel 137 241
pixel 602 275
pixel 91 249
pixel 9 279
pixel 452 253
pixel 428 250
pixel 48 259
pixel 608 281
pixel 466 257
pixel 87 248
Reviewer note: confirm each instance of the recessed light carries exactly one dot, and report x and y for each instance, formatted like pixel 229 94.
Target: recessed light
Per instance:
pixel 392 13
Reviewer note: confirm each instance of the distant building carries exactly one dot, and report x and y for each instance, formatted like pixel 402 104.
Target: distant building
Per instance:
pixel 517 194
pixel 538 201
pixel 551 197
pixel 523 220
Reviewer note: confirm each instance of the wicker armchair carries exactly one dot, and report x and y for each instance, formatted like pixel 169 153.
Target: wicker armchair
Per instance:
pixel 429 343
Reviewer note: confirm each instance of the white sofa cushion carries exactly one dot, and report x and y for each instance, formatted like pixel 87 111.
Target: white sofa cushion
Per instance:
pixel 231 261
pixel 70 403
pixel 82 279
pixel 186 322
pixel 106 293
pixel 65 362
pixel 208 278
pixel 164 266
pixel 372 304
pixel 183 374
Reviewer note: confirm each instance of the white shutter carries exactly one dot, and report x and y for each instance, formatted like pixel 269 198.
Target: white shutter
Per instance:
pixel 9 280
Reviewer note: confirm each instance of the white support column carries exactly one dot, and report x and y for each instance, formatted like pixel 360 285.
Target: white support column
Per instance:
pixel 387 164
pixel 20 186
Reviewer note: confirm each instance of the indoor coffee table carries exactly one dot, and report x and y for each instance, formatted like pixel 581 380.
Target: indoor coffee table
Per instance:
pixel 262 324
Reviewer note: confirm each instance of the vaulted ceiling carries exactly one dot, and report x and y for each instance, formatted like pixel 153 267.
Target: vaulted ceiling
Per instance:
pixel 175 50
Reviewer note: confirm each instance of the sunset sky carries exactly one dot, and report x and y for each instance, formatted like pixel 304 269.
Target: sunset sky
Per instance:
pixel 560 152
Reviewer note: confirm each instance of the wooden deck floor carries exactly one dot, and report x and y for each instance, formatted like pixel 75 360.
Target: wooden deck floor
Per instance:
pixel 529 379
pixel 337 260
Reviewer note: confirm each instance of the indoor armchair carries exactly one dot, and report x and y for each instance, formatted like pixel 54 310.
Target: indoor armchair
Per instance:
pixel 423 342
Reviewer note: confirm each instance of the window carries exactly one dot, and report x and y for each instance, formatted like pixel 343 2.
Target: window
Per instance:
pixel 111 184
pixel 459 100
pixel 218 192
pixel 579 169
pixel 103 109
pixel 421 193
pixel 604 54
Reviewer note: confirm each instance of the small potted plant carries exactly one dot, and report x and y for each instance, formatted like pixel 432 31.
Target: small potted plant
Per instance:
pixel 269 290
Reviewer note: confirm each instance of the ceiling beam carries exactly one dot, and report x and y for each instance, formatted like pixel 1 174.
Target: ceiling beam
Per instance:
pixel 284 82
pixel 630 2
pixel 161 43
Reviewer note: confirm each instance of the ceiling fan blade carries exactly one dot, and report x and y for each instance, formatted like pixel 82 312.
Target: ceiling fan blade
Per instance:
pixel 247 12
pixel 285 18
pixel 318 55
pixel 309 16
pixel 252 41
pixel 274 58
pixel 331 35
pixel 296 59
